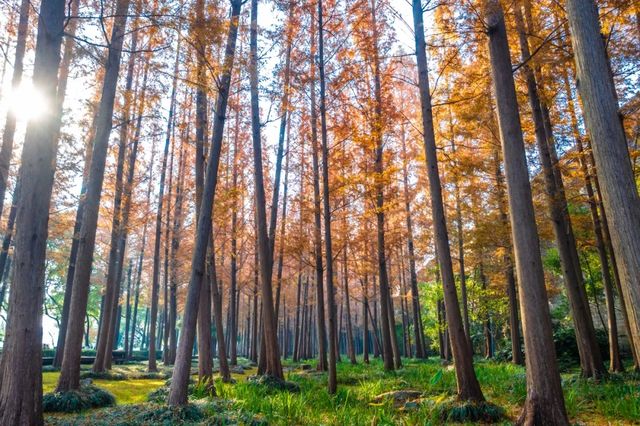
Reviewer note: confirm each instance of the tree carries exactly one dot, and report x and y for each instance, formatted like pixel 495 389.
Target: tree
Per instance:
pixel 70 371
pixel 180 379
pixel 619 191
pixel 8 134
pixel 265 252
pixel 545 402
pixel 468 386
pixel 21 380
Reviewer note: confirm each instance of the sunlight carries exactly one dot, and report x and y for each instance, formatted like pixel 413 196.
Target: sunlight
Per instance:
pixel 26 102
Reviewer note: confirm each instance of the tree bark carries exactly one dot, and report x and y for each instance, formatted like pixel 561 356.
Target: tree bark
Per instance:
pixel 317 230
pixel 545 402
pixel 615 362
pixel 328 249
pixel 590 357
pixel 619 191
pixel 21 366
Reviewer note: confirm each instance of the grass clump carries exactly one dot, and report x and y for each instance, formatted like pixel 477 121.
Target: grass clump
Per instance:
pixel 88 396
pixel 105 375
pixel 274 383
pixel 452 410
pixel 167 415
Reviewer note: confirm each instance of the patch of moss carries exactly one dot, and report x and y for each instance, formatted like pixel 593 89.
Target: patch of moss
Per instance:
pixel 86 397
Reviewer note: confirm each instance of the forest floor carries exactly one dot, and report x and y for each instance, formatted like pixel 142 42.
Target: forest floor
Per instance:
pixel 615 401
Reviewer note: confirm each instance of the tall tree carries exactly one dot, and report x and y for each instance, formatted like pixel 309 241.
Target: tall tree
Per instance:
pixel 155 285
pixel 8 134
pixel 21 379
pixel 70 372
pixel 545 402
pixel 619 191
pixel 328 249
pixel 590 357
pixel 468 385
pixel 269 324
pixel 181 372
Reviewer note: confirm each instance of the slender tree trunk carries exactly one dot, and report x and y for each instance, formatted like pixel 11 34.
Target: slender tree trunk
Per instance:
pixel 70 372
pixel 468 386
pixel 317 231
pixel 615 362
pixel 415 297
pixel 620 194
pixel 6 151
pixel 365 322
pixel 127 318
pixel 514 322
pixel 112 286
pixel 269 323
pixel 351 351
pixel 180 380
pixel 397 361
pixel 155 284
pixel 387 344
pixel 332 382
pixel 545 402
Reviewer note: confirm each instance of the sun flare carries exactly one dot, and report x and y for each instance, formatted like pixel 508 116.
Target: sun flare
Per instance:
pixel 26 102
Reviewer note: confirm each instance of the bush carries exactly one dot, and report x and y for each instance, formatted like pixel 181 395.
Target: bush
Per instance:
pixel 88 396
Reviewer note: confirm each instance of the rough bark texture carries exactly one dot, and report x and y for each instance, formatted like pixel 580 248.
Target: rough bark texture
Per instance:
pixel 545 402
pixel 328 251
pixel 590 357
pixel 619 192
pixel 21 379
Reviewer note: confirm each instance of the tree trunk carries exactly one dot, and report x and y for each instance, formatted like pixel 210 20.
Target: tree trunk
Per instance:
pixel 112 285
pixel 317 230
pixel 332 382
pixel 6 151
pixel 70 372
pixel 269 323
pixel 514 322
pixel 180 380
pixel 545 402
pixel 615 362
pixel 468 386
pixel 21 365
pixel 415 297
pixel 590 357
pixel 620 194
pixel 351 351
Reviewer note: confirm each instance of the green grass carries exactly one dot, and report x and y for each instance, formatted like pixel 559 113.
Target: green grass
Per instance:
pixel 615 400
